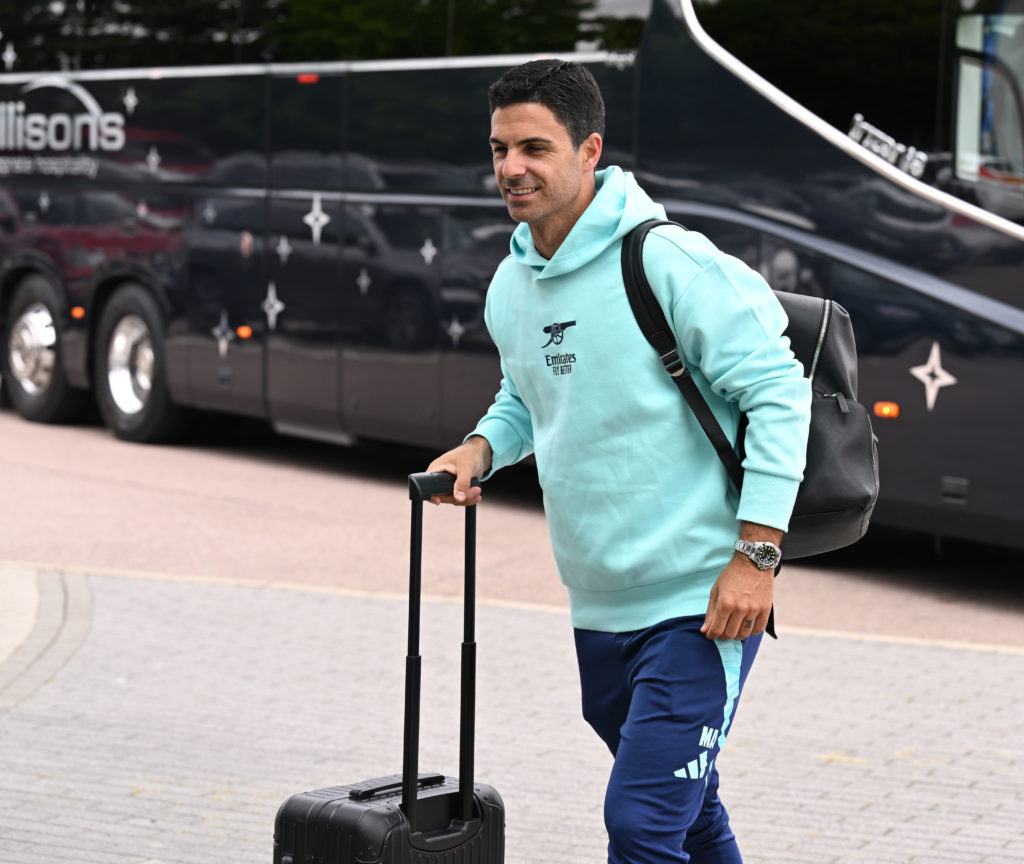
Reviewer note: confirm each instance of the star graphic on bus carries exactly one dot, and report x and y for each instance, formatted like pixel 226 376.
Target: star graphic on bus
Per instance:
pixel 933 376
pixel 283 249
pixel 130 101
pixel 455 331
pixel 223 334
pixel 316 219
pixel 273 306
pixel 364 281
pixel 428 251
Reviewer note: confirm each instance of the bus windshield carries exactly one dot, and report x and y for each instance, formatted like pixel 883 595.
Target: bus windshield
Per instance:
pixel 990 116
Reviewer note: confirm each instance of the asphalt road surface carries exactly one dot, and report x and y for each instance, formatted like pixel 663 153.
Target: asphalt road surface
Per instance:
pixel 239 503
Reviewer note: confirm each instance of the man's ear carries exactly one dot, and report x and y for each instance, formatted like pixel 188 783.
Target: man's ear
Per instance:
pixel 590 151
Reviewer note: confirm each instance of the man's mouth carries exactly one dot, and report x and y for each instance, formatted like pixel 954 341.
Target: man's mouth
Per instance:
pixel 520 191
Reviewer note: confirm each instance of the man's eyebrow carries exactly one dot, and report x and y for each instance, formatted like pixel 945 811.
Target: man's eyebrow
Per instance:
pixel 534 140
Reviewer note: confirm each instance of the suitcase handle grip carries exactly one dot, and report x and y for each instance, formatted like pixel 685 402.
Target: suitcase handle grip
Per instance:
pixel 392 784
pixel 423 486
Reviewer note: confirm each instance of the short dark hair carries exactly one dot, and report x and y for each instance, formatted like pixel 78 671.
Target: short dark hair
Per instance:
pixel 565 88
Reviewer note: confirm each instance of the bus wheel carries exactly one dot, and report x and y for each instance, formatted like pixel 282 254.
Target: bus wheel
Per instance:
pixel 34 376
pixel 131 379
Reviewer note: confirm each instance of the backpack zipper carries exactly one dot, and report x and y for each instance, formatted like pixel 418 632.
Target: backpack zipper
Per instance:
pixel 826 319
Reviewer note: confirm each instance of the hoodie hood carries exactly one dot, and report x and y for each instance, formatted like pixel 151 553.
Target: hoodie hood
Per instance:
pixel 618 206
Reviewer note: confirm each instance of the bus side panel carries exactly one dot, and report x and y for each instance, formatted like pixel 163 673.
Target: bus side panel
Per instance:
pixel 810 217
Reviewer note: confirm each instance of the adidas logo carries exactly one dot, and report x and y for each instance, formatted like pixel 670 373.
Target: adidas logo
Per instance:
pixel 698 768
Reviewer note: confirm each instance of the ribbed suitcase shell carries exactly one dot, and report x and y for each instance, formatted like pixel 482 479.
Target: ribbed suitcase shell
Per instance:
pixel 327 826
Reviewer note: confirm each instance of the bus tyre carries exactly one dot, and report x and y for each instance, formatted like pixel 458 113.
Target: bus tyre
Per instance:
pixel 33 367
pixel 131 371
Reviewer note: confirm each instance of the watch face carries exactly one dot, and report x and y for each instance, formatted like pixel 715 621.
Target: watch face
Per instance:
pixel 766 556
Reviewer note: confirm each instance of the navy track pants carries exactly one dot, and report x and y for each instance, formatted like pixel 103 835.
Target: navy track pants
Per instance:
pixel 663 700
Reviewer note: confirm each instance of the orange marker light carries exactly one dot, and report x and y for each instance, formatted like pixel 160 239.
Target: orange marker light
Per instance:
pixel 244 332
pixel 78 312
pixel 308 78
pixel 887 410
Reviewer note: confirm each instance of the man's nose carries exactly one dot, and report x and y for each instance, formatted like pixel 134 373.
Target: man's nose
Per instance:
pixel 513 166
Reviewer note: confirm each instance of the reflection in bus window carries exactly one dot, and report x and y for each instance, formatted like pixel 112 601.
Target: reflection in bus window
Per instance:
pixel 104 207
pixel 990 112
pixel 734 240
pixel 45 208
pixel 817 54
pixel 198 32
pixel 790 269
pixel 8 214
pixel 410 229
pixel 783 266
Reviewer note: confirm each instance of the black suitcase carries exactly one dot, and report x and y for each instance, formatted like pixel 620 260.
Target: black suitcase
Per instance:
pixel 410 818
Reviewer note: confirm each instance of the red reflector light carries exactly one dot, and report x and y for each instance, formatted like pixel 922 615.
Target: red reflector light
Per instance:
pixel 887 410
pixel 244 332
pixel 308 78
pixel 78 312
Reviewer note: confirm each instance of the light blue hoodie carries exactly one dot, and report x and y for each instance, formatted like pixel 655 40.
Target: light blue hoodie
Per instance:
pixel 641 513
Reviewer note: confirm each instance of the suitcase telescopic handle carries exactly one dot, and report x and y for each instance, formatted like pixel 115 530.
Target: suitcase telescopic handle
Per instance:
pixel 421 488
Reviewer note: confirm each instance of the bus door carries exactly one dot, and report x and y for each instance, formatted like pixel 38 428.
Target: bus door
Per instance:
pixel 304 296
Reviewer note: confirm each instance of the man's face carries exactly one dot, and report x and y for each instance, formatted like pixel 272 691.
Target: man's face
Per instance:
pixel 544 180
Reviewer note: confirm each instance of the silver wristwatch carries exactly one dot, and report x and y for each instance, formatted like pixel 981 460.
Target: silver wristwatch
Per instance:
pixel 764 554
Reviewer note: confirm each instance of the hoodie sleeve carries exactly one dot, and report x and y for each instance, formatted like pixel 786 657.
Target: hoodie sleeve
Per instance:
pixel 730 327
pixel 506 426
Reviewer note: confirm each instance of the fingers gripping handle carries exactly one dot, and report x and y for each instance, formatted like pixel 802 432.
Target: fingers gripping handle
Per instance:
pixel 421 488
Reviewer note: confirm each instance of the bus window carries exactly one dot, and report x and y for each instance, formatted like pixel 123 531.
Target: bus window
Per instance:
pixel 789 268
pixel 819 58
pixel 784 266
pixel 8 214
pixel 734 240
pixel 385 31
pixel 103 34
pixel 990 111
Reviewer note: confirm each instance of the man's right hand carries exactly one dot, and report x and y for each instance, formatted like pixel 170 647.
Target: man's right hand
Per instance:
pixel 468 460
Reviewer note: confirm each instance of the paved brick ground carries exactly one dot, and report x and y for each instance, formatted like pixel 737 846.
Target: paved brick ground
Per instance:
pixel 146 720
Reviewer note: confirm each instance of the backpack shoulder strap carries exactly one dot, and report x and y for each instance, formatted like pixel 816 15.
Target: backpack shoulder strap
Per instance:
pixel 646 309
pixel 656 329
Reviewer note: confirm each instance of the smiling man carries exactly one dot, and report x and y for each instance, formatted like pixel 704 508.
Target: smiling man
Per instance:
pixel 546 179
pixel 669 576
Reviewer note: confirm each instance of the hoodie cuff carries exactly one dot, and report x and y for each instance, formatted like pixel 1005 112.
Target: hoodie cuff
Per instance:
pixel 507 446
pixel 767 500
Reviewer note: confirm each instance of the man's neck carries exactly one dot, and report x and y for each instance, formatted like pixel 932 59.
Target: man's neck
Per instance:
pixel 549 236
pixel 547 242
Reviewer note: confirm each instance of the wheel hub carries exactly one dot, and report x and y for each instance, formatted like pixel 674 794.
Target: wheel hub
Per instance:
pixel 31 349
pixel 130 364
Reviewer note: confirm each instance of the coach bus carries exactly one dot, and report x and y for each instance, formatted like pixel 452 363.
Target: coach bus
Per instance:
pixel 287 209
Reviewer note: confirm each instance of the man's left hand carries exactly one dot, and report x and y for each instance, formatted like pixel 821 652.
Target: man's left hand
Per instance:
pixel 741 600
